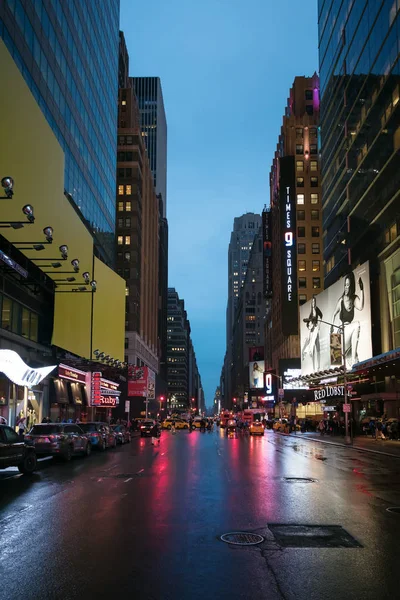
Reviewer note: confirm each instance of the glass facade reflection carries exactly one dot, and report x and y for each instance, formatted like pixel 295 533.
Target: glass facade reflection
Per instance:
pixel 359 43
pixel 67 52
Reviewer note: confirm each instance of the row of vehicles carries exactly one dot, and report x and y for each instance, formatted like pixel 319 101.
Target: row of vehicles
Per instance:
pixel 146 425
pixel 61 440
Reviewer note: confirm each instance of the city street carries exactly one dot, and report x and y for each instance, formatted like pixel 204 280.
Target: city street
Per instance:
pixel 144 522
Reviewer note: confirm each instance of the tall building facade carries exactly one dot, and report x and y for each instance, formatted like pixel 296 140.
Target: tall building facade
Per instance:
pixel 295 222
pixel 185 392
pixel 154 130
pixel 137 229
pixel 68 55
pixel 153 125
pixel 360 129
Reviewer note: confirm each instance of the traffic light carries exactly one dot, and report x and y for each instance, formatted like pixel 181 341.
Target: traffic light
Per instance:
pixel 234 400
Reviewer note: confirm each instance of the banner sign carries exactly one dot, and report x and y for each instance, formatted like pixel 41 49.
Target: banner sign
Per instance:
pixel 96 389
pixel 137 381
pixel 151 384
pixel 348 302
pixel 267 253
pixel 12 365
pixel 12 264
pixel 328 391
pixel 287 207
pixel 66 372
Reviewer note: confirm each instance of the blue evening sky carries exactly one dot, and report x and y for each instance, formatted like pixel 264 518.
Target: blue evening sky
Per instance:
pixel 226 67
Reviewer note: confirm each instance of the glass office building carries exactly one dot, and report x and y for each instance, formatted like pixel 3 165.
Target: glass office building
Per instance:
pixel 154 130
pixel 359 43
pixel 67 52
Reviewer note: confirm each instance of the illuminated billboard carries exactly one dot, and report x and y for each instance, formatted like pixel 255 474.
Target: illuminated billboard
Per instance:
pixel 256 375
pixel 348 301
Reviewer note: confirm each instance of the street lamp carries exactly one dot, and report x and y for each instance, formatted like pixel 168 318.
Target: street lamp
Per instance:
pixel 347 437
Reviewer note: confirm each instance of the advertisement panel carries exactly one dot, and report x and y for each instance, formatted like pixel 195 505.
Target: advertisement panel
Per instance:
pixel 347 301
pixel 151 384
pixel 290 370
pixel 287 203
pixel 137 381
pixel 256 374
pixel 267 253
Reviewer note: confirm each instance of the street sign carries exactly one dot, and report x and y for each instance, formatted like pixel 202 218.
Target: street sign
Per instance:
pixel 281 393
pixel 346 408
pixel 127 406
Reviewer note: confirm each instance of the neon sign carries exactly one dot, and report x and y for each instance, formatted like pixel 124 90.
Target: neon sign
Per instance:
pixel 288 246
pixel 287 209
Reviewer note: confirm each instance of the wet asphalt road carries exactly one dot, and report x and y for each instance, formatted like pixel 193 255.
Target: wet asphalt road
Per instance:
pixel 144 522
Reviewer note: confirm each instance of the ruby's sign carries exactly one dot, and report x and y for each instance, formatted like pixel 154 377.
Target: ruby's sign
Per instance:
pixel 109 401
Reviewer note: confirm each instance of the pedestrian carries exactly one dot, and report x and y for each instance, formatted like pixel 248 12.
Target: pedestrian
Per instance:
pixel 154 434
pixel 321 427
pixel 173 429
pixel 378 431
pixel 21 427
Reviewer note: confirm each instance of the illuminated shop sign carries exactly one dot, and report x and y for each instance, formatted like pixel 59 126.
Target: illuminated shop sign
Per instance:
pixel 268 385
pixel 267 254
pixel 109 401
pixel 329 391
pixel 12 365
pixel 65 372
pixel 109 385
pixel 96 388
pixel 289 254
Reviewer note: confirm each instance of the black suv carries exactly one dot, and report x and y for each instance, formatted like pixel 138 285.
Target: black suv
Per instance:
pixel 15 453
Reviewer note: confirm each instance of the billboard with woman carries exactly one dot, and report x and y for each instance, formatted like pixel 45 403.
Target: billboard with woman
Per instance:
pixel 345 302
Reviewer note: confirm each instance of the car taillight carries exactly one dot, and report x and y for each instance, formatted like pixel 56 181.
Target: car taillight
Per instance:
pixel 57 437
pixel 142 427
pixel 94 434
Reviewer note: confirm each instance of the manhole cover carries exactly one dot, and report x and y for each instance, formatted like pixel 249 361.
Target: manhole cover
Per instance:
pixel 394 509
pixel 313 536
pixel 299 479
pixel 240 538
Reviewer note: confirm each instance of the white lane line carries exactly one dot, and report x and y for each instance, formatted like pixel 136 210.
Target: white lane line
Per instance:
pixel 129 479
pixel 109 469
pixel 138 472
pixel 99 479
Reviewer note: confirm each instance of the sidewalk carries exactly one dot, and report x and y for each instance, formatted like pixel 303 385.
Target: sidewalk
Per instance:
pixel 363 443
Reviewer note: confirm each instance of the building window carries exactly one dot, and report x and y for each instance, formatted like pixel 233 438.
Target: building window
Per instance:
pixel 120 222
pixel 128 206
pixel 300 198
pixel 301 248
pixel 316 283
pixel 315 248
pixel 315 215
pixel 302 282
pixel 391 233
pixel 301 232
pixel 314 231
pixel 299 165
pixel 127 291
pixel 120 190
pixel 120 206
pixel 127 240
pixel 120 240
pixel 302 299
pixel 309 109
pixel 313 132
pixel 313 165
pixel 314 181
pixel 127 256
pixel 309 94
pixel 313 149
pixel 300 181
pixel 128 222
pixel 302 265
pixel 6 314
pixel 119 256
pixel 316 265
pixel 128 189
pixel 299 149
pixel 301 215
pixel 299 132
pixel 330 264
pixel 314 198
pixel 126 343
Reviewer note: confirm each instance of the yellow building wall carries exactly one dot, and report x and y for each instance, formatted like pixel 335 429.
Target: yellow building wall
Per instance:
pixel 31 154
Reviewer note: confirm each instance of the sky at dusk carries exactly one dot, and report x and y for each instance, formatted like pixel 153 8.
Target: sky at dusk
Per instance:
pixel 226 67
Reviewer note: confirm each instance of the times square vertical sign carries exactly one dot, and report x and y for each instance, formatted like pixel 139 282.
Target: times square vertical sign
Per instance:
pixel 267 253
pixel 287 191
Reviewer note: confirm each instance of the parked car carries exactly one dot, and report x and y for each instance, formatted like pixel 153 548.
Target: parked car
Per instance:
pixel 123 435
pixel 146 427
pixel 14 452
pixel 59 440
pixel 100 434
pixel 256 428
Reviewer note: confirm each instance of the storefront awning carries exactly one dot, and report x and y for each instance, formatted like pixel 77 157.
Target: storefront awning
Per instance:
pixel 377 360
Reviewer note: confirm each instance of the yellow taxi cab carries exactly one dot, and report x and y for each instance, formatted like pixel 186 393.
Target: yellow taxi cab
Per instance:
pixel 256 428
pixel 197 422
pixel 279 425
pixel 179 423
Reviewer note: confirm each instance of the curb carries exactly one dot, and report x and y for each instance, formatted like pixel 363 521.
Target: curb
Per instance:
pixel 359 448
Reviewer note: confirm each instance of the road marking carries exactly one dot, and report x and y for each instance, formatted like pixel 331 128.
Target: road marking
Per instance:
pixel 129 479
pixel 109 469
pixel 138 472
pixel 99 479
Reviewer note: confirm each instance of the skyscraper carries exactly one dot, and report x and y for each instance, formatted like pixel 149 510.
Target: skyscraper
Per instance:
pixel 295 222
pixel 68 55
pixel 360 129
pixel 154 130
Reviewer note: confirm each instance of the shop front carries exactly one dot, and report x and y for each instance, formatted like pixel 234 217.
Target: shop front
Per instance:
pixel 23 390
pixel 105 398
pixel 69 399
